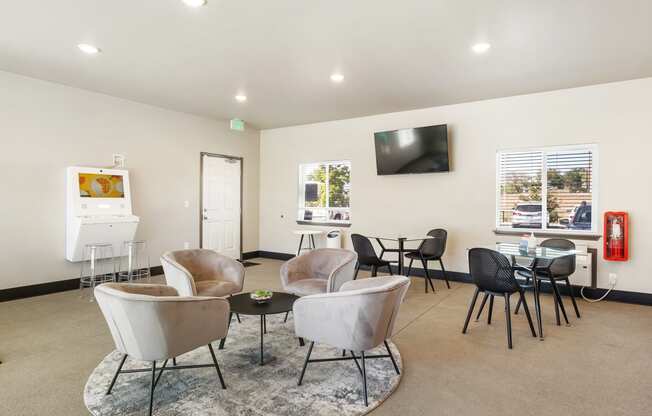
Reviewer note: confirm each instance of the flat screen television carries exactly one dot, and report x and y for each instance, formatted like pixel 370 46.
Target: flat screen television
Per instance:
pixel 418 150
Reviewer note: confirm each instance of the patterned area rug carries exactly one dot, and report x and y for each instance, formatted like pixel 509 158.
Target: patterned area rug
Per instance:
pixel 328 388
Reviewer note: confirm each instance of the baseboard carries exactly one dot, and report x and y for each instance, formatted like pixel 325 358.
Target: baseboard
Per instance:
pixel 274 255
pixel 615 295
pixel 250 255
pixel 636 298
pixel 40 289
pixel 73 284
pixel 623 296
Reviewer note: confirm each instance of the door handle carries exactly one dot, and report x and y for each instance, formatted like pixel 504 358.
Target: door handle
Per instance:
pixel 205 217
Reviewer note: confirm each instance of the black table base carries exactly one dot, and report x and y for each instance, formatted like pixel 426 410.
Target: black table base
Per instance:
pixel 242 304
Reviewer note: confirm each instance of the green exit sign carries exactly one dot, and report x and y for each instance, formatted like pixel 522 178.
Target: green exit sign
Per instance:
pixel 237 124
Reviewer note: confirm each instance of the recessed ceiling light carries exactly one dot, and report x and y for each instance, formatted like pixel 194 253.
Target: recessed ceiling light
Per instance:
pixel 481 47
pixel 241 98
pixel 89 49
pixel 337 77
pixel 194 3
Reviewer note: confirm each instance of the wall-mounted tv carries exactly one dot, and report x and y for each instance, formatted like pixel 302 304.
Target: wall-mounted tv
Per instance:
pixel 418 150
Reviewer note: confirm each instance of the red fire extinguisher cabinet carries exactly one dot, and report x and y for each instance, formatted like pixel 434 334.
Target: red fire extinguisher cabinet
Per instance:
pixel 616 236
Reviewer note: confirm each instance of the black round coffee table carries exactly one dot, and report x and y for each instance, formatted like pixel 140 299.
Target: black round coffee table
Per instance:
pixel 242 304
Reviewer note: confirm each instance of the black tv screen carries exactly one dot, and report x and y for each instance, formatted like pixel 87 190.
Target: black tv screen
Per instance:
pixel 419 150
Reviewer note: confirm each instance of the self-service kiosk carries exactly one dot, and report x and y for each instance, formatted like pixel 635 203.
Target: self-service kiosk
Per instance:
pixel 98 210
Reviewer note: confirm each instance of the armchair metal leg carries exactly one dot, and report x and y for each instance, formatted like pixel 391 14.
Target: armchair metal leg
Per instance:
pixel 374 271
pixel 115 376
pixel 160 373
pixel 389 267
pixel 151 388
pixel 286 317
pixel 410 267
pixel 223 340
pixel 471 306
pixel 443 270
pixel 364 380
pixel 217 367
pixel 174 361
pixel 484 301
pixel 491 308
pixel 305 363
pixel 355 360
pixel 357 269
pixel 508 319
pixel 391 357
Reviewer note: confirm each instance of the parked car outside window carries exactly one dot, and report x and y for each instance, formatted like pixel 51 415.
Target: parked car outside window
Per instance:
pixel 527 215
pixel 581 219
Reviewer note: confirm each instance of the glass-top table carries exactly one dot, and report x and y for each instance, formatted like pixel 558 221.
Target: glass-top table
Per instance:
pixel 539 253
pixel 513 250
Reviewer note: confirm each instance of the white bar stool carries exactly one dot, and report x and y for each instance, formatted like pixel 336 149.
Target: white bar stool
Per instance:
pixel 134 261
pixel 97 266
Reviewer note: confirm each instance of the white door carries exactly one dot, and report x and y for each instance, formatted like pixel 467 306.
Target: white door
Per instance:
pixel 221 177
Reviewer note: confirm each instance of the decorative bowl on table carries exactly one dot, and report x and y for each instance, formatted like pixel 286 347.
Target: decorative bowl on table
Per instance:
pixel 261 296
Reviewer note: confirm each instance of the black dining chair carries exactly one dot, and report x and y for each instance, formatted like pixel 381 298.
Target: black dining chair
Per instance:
pixel 367 255
pixel 493 274
pixel 555 271
pixel 430 249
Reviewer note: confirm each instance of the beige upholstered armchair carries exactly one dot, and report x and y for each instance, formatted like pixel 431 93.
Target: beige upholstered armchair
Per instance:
pixel 321 270
pixel 152 323
pixel 202 272
pixel 358 318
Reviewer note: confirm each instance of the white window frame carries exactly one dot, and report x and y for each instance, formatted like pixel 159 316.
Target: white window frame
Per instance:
pixel 300 193
pixel 595 218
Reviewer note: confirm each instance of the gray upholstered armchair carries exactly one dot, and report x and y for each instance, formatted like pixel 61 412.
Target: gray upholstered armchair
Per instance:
pixel 152 323
pixel 321 270
pixel 202 272
pixel 358 318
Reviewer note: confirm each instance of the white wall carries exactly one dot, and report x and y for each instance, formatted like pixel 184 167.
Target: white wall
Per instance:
pixel 618 117
pixel 46 127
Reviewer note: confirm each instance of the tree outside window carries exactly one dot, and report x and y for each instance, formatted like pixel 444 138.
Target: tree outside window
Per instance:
pixel 332 183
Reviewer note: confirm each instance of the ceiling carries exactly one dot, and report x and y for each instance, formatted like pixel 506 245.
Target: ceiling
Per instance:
pixel 395 55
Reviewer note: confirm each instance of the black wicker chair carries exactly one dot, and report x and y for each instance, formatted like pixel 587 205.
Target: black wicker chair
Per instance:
pixel 553 271
pixel 367 255
pixel 430 249
pixel 493 275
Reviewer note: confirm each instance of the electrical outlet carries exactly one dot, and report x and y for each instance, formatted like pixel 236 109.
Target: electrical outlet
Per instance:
pixel 613 279
pixel 186 245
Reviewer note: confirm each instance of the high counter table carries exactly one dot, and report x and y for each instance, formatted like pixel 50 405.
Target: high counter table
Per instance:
pixel 311 238
pixel 401 250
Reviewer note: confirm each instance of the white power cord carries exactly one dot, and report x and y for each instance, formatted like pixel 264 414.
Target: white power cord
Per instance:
pixel 600 298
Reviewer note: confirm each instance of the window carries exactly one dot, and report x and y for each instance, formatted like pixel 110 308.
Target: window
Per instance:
pixel 324 192
pixel 563 177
